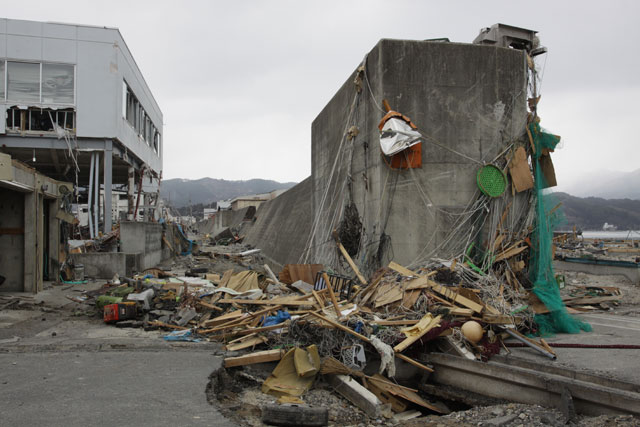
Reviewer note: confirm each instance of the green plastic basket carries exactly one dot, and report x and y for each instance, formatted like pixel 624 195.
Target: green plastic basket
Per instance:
pixel 491 181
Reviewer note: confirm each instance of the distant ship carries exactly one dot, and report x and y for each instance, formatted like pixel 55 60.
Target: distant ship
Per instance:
pixel 609 227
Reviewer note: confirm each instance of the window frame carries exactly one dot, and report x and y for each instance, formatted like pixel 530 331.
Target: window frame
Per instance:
pixel 39 103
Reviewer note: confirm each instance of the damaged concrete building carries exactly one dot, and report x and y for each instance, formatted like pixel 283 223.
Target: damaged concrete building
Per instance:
pixel 77 109
pixel 30 215
pixel 468 102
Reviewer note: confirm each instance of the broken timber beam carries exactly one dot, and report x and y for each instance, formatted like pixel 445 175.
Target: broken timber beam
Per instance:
pixel 253 358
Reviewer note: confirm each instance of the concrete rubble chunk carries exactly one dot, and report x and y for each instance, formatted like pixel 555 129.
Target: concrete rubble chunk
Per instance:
pixel 501 421
pixel 355 393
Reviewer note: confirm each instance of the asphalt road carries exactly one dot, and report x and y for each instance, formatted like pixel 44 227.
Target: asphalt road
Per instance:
pixel 621 364
pixel 109 388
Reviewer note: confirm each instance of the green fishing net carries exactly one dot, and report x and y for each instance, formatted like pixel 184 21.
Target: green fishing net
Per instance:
pixel 541 263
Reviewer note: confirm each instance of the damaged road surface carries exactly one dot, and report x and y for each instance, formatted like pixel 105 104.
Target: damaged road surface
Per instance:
pixel 158 388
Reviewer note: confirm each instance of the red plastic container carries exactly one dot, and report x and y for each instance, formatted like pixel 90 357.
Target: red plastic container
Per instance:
pixel 121 311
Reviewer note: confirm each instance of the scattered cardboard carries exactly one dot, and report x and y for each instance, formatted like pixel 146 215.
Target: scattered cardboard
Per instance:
pixel 285 378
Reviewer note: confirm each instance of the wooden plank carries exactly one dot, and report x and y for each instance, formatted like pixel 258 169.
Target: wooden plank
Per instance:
pixel 224 318
pixel 246 343
pixel 210 306
pixel 397 404
pixel 519 170
pixel 395 322
pixel 413 338
pixel 263 302
pixel 457 311
pixel 246 331
pixel 371 289
pixel 403 393
pixel 413 362
pixel 392 292
pixel 400 269
pixel 353 266
pixel 459 299
pixel 410 298
pixel 331 294
pixel 346 256
pixel 317 297
pixel 512 251
pixel 306 272
pixel 253 358
pixel 533 147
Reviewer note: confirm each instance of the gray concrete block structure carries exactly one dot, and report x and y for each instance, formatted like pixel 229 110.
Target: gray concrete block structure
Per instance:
pixel 77 108
pixel 470 103
pixel 144 238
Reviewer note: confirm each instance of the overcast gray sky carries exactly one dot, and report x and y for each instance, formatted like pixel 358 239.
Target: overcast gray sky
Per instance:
pixel 239 82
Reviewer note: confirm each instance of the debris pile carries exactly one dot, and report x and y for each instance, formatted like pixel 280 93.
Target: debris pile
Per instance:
pixel 319 327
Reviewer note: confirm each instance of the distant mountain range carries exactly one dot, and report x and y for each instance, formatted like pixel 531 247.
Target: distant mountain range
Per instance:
pixel 587 213
pixel 183 192
pixel 606 184
pixel 590 213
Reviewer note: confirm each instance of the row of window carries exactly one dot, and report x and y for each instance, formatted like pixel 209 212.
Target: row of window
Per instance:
pixel 139 119
pixel 37 82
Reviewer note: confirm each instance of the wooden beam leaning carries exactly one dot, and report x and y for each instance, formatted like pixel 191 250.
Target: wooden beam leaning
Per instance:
pixel 346 256
pixel 327 282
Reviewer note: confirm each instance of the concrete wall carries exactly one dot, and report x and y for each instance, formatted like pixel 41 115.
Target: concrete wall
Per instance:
pixel 103 62
pixel 144 238
pixel 104 265
pixel 282 225
pixel 226 219
pixel 469 98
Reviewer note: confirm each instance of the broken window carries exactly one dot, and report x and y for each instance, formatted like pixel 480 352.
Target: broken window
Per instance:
pixel 39 119
pixel 23 81
pixel 58 84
